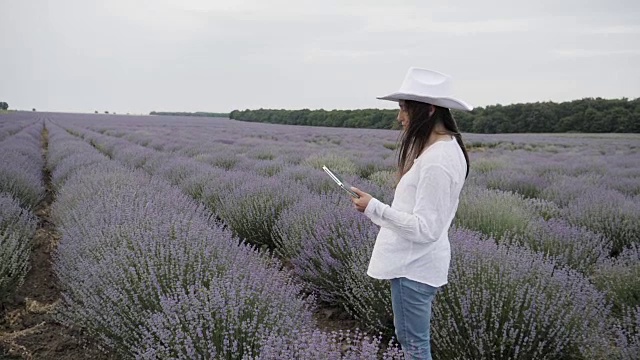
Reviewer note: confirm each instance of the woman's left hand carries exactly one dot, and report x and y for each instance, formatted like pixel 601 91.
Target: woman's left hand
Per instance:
pixel 362 202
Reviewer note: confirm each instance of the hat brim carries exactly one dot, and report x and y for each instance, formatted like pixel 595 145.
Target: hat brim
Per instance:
pixel 447 102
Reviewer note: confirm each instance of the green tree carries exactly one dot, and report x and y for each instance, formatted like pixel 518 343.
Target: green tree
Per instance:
pixel 594 121
pixel 618 119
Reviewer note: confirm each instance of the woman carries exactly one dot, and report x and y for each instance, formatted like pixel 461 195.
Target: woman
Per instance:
pixel 412 248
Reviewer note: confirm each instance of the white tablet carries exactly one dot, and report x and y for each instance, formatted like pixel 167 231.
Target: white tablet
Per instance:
pixel 340 183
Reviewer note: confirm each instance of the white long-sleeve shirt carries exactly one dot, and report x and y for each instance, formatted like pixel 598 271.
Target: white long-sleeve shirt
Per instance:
pixel 413 241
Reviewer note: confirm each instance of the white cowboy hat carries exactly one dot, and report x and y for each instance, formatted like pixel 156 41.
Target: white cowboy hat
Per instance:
pixel 429 87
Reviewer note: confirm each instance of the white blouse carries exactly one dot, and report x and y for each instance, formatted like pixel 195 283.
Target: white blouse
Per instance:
pixel 413 241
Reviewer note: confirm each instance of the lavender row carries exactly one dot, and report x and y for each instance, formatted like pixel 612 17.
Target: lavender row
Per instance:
pixel 13 123
pixel 21 166
pixel 155 277
pixel 600 191
pixel 539 226
pixel 21 189
pixel 10 129
pixel 17 228
pixel 148 247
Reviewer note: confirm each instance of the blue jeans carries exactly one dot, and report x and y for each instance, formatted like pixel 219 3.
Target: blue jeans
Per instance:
pixel 411 303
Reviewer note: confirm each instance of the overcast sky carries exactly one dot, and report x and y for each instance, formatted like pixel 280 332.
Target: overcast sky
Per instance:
pixel 207 55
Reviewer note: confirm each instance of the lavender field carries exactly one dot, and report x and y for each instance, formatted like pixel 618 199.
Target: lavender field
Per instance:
pixel 195 238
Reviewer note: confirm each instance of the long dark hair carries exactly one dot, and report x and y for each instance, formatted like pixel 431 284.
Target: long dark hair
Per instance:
pixel 414 138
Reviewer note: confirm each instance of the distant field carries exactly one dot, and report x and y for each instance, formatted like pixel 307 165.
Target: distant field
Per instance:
pixel 184 235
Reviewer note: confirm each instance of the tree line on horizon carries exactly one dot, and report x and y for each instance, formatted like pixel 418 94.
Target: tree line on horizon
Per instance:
pixel 589 115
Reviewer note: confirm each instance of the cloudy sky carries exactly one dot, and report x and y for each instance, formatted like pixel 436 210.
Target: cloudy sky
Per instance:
pixel 207 55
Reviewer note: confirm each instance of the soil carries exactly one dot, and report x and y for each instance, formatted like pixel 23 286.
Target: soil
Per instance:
pixel 28 329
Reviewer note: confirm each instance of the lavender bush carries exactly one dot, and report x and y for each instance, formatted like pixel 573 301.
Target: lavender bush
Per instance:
pixel 269 168
pixel 77 160
pixel 17 227
pixel 610 213
pixel 338 163
pixel 484 165
pixel 224 159
pixel 299 220
pixel 174 169
pixel 252 209
pixel 367 299
pixel 517 181
pixel 134 156
pixel 384 178
pixel 628 334
pixel 326 251
pixel 224 317
pixel 224 183
pixel 343 239
pixel 564 189
pixel 619 278
pixel 195 185
pixel 315 179
pixel 329 245
pixel 493 212
pixel 577 247
pixel 506 302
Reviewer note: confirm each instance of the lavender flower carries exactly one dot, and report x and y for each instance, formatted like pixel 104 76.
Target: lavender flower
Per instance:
pixel 17 227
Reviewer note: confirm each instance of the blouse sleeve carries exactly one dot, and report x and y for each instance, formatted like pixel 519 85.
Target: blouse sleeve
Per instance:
pixel 429 217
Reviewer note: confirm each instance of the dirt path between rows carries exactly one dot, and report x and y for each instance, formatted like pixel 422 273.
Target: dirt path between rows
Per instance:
pixel 27 326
